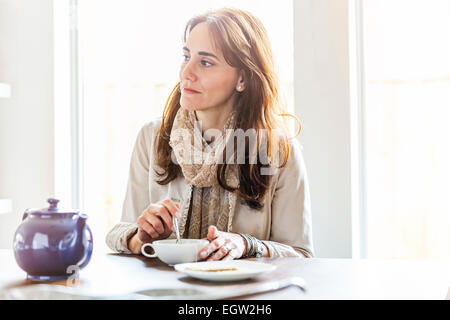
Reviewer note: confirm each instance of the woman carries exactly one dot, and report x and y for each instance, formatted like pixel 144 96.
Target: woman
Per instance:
pixel 246 202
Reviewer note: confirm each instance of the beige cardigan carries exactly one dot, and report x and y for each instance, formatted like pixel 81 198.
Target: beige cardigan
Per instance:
pixel 284 223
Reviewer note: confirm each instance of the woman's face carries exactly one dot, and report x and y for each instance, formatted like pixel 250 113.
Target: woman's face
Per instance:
pixel 205 70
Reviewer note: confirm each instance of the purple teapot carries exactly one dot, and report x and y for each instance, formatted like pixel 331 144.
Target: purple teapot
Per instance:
pixel 51 243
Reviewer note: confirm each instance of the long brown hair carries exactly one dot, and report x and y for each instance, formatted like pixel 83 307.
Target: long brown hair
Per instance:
pixel 245 45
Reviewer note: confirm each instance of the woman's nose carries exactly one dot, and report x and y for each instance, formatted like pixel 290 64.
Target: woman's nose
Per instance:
pixel 187 72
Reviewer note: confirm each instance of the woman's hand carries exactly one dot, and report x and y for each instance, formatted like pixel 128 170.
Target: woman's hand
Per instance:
pixel 223 245
pixel 155 223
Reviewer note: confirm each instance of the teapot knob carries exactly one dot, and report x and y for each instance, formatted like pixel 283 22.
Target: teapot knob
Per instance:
pixel 53 203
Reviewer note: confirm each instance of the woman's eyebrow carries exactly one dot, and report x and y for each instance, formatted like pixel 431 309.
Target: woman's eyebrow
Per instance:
pixel 202 53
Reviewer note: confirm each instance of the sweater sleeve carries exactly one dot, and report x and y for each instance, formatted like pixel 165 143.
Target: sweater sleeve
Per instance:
pixel 137 193
pixel 291 229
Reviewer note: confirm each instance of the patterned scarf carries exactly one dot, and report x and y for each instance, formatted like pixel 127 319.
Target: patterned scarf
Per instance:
pixel 209 202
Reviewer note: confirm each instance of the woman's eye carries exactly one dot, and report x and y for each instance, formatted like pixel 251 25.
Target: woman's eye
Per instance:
pixel 206 63
pixel 203 62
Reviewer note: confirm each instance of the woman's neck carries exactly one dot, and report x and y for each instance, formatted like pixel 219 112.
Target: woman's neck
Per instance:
pixel 214 118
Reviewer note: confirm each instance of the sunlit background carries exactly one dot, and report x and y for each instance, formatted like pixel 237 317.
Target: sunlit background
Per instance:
pixel 407 103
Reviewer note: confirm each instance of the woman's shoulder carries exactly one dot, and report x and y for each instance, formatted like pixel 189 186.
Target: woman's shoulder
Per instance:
pixel 294 165
pixel 152 126
pixel 295 152
pixel 147 133
pixel 289 150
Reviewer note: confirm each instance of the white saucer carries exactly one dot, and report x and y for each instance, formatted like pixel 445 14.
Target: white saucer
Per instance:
pixel 242 270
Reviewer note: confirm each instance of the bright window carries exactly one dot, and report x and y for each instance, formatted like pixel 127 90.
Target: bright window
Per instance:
pixel 407 109
pixel 129 53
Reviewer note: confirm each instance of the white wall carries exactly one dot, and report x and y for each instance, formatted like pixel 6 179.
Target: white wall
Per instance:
pixel 322 101
pixel 26 119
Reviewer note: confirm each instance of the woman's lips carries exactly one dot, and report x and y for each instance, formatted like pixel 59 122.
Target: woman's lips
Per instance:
pixel 189 91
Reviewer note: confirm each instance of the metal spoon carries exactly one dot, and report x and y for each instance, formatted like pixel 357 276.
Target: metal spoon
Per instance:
pixel 175 221
pixel 177 230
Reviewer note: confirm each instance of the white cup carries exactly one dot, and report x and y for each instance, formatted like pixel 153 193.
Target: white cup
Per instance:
pixel 172 253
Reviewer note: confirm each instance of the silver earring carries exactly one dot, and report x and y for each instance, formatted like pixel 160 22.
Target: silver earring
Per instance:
pixel 239 87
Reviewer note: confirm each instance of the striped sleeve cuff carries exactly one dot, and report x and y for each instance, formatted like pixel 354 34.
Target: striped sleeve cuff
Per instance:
pixel 279 250
pixel 117 238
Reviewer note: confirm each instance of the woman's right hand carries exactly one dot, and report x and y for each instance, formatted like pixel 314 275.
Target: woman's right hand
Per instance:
pixel 155 223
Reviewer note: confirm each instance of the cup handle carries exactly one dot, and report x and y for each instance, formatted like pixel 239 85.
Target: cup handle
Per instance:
pixel 145 253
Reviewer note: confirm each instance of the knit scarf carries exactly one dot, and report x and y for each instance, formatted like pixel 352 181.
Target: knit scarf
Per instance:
pixel 209 202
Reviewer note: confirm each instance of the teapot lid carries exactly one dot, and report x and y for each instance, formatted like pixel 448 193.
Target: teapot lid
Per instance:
pixel 52 209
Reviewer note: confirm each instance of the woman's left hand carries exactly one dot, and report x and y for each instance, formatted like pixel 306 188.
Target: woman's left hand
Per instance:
pixel 223 245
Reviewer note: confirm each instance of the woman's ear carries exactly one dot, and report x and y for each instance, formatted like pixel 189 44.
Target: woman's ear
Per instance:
pixel 240 86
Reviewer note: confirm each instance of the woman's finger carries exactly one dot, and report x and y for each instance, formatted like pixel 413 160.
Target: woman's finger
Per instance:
pixel 222 251
pixel 230 256
pixel 166 217
pixel 149 230
pixel 213 246
pixel 171 207
pixel 213 233
pixel 155 222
